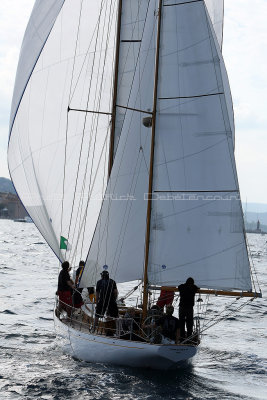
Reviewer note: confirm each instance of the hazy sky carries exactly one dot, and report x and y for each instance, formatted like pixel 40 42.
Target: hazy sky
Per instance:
pixel 245 53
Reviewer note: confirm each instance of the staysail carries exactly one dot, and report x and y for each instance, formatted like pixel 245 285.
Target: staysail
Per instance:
pixel 60 120
pixel 119 237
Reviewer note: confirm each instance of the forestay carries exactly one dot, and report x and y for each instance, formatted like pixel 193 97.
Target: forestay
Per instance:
pixel 197 225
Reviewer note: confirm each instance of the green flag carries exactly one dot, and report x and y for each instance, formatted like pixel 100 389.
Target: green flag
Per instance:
pixel 63 243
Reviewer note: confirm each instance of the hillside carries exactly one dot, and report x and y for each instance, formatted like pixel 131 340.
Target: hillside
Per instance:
pixel 6 186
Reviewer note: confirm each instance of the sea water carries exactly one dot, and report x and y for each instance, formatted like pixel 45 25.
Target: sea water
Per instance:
pixel 231 362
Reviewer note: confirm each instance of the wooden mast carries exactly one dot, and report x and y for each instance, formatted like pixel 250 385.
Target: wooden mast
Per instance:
pixel 150 184
pixel 115 90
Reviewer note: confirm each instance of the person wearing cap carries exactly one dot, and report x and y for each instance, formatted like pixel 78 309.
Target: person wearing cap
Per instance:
pixel 106 296
pixel 186 306
pixel 64 290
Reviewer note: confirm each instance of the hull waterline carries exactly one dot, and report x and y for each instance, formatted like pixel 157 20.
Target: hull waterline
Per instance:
pixel 102 349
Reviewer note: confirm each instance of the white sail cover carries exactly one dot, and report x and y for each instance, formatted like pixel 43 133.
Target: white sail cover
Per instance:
pixel 58 152
pixel 197 224
pixel 119 238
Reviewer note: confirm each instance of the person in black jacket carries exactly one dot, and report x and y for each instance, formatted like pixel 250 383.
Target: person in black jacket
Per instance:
pixel 186 306
pixel 106 296
pixel 64 290
pixel 169 325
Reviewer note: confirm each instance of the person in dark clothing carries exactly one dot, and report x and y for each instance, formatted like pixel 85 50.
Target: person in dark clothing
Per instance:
pixel 186 306
pixel 91 289
pixel 77 295
pixel 106 296
pixel 64 290
pixel 169 325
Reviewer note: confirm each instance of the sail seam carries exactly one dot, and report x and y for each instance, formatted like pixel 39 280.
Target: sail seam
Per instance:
pixel 89 111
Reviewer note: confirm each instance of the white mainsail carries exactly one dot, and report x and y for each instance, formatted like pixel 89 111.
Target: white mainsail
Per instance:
pixel 58 154
pixel 197 223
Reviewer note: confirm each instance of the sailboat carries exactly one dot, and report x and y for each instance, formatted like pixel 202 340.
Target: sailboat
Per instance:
pixel 121 149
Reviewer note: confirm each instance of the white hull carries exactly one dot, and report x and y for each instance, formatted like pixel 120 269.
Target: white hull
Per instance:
pixel 97 348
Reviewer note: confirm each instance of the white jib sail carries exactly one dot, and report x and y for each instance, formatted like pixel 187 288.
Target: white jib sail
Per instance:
pixel 58 152
pixel 197 223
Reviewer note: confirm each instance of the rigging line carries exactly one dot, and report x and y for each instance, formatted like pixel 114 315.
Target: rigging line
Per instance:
pixel 54 158
pixel 187 102
pixel 180 4
pixel 203 258
pixel 106 40
pixel 131 41
pixel 223 317
pixel 147 169
pixel 129 205
pixel 219 79
pixel 123 220
pixel 89 111
pixel 133 173
pixel 224 107
pixel 108 166
pixel 93 129
pixel 100 94
pixel 84 124
pixel 191 97
pixel 67 123
pixel 166 168
pixel 124 144
pixel 180 122
pixel 138 56
pixel 254 275
pixel 133 29
pixel 135 109
pixel 86 54
pixel 195 153
pixel 137 59
pixel 125 212
pixel 90 193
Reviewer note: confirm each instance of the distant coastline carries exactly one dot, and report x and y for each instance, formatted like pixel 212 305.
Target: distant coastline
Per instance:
pixel 12 208
pixel 10 205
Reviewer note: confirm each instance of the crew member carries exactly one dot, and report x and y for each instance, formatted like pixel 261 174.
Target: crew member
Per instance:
pixel 106 295
pixel 186 306
pixel 64 290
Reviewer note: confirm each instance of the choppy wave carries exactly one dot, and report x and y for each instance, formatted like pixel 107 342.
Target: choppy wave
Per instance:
pixel 231 363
